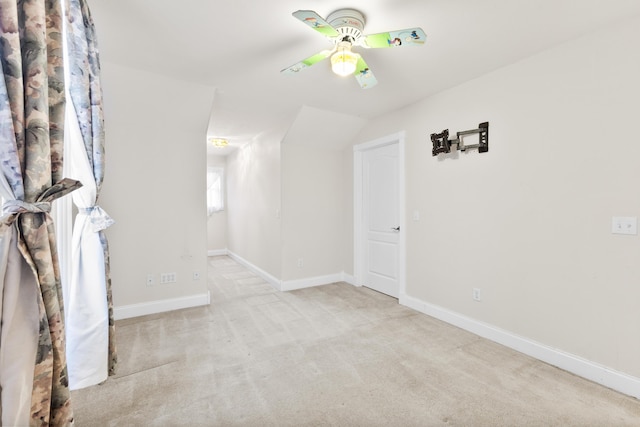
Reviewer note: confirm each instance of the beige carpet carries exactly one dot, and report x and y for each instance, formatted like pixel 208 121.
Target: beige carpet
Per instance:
pixel 334 355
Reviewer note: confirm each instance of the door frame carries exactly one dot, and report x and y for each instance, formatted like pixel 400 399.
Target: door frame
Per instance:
pixel 358 208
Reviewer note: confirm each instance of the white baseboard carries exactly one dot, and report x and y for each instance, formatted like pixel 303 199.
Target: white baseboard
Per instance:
pixel 291 285
pixel 160 306
pixel 272 280
pixel 350 279
pixel 217 252
pixel 592 371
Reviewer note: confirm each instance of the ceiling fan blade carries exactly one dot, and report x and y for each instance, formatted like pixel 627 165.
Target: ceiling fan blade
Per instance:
pixel 364 76
pixel 316 22
pixel 410 36
pixel 307 62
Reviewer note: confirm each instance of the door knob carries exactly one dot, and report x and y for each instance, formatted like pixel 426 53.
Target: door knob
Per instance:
pixel 396 228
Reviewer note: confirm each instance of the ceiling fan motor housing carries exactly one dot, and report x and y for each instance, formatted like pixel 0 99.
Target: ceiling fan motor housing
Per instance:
pixel 348 22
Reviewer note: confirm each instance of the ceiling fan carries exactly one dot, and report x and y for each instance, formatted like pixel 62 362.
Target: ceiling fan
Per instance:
pixel 344 29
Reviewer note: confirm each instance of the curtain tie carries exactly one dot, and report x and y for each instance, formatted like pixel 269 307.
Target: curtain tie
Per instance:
pixel 12 208
pixel 18 206
pixel 99 219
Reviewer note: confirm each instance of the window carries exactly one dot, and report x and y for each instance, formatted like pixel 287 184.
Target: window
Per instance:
pixel 215 189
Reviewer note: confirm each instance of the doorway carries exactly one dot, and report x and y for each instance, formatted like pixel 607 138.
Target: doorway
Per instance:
pixel 379 232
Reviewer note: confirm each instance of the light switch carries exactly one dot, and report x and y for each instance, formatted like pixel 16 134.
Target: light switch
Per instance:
pixel 416 215
pixel 624 225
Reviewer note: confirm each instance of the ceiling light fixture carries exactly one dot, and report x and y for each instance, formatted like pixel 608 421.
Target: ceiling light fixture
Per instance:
pixel 343 62
pixel 219 142
pixel 344 29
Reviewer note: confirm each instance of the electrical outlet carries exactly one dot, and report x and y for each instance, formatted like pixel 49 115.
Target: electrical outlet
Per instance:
pixel 167 278
pixel 624 225
pixel 149 279
pixel 476 294
pixel 300 262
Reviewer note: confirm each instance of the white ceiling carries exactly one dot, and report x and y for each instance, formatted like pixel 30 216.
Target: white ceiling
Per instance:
pixel 240 46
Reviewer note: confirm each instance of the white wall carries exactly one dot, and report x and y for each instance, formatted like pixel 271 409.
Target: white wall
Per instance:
pixel 312 202
pixel 217 222
pixel 529 222
pixel 155 183
pixel 254 203
pixel 347 242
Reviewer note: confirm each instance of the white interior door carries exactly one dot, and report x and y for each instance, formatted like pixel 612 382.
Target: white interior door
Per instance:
pixel 381 219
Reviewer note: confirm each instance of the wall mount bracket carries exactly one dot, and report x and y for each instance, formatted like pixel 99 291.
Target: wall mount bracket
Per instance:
pixel 442 143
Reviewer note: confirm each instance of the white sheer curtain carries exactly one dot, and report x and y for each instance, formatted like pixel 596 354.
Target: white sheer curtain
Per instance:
pixel 86 311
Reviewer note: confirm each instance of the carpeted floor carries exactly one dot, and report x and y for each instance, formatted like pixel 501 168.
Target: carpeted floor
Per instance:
pixel 333 355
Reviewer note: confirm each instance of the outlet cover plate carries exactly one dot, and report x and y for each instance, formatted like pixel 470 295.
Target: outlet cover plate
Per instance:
pixel 624 225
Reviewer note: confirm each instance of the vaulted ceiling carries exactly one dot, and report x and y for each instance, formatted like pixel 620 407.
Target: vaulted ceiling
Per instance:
pixel 240 46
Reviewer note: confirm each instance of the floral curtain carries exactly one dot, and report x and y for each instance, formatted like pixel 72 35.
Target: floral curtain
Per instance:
pixel 89 316
pixel 33 372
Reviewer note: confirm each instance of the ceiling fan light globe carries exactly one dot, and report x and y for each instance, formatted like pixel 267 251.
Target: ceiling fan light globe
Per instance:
pixel 344 62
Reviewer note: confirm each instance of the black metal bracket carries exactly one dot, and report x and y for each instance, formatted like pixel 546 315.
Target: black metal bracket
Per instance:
pixel 442 143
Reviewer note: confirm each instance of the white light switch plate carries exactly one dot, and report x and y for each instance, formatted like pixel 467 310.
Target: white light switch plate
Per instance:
pixel 624 225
